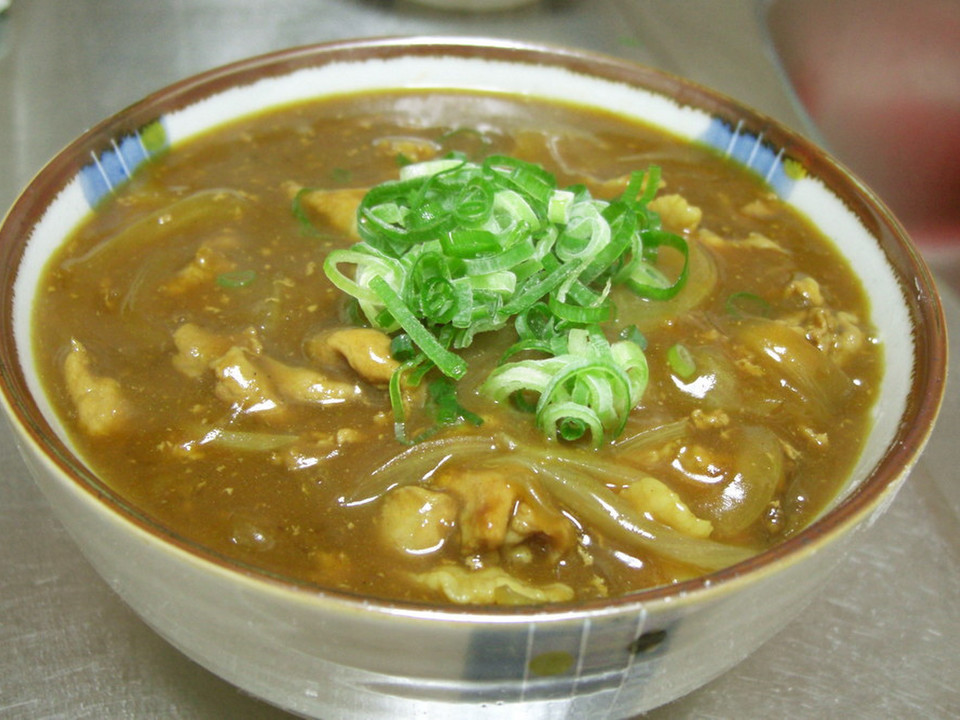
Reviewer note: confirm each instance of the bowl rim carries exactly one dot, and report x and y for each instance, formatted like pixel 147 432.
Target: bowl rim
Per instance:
pixel 873 493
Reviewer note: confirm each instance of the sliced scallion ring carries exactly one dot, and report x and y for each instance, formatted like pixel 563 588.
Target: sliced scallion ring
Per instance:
pixel 454 248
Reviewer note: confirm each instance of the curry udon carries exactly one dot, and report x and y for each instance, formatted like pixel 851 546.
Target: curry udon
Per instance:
pixel 196 338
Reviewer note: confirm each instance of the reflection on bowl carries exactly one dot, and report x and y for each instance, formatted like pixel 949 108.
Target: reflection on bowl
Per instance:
pixel 329 653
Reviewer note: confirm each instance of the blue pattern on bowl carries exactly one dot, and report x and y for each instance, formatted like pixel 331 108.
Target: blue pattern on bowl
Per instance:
pixel 114 166
pixel 751 151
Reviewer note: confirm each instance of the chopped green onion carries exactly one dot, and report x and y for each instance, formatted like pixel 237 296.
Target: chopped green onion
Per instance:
pixel 591 387
pixel 396 398
pixel 454 248
pixel 402 348
pixel 579 314
pixel 369 263
pixel 443 396
pixel 633 334
pixel 746 304
pixel 428 168
pixel 534 322
pixel 236 278
pixel 649 282
pixel 558 208
pixel 449 364
pixel 449 410
pixel 681 362
pixel 306 224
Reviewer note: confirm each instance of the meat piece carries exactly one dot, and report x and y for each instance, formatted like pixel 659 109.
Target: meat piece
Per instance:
pixel 534 517
pixel 650 496
pixel 316 447
pixel 307 385
pixel 198 348
pixel 835 333
pixel 613 187
pixel 309 451
pixel 676 213
pixel 487 505
pixel 710 239
pixel 366 350
pixel 490 586
pixel 101 406
pixel 753 241
pixel 417 521
pixel 805 290
pixel 250 380
pixel 208 262
pixel 702 419
pixel 338 207
pixel 263 385
pixel 240 382
pixel 761 209
pixel 413 149
pixel 496 511
pixel 758 241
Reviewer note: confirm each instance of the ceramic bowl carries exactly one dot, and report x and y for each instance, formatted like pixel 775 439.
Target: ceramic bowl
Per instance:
pixel 323 654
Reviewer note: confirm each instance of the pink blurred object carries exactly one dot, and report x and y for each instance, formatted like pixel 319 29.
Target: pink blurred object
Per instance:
pixel 881 80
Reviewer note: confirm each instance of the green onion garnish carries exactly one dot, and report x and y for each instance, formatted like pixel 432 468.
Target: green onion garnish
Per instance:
pixel 632 333
pixel 299 212
pixel 591 386
pixel 402 348
pixel 449 364
pixel 746 304
pixel 454 248
pixel 681 362
pixel 236 278
pixel 443 393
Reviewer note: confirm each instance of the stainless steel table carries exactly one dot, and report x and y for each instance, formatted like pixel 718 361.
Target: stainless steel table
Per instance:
pixel 881 641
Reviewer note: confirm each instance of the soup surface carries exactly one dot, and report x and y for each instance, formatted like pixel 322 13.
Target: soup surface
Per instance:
pixel 215 378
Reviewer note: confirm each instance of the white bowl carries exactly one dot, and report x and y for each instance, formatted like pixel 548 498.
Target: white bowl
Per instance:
pixel 324 654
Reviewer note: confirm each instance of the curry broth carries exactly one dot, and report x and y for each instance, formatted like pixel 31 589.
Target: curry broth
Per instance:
pixel 291 494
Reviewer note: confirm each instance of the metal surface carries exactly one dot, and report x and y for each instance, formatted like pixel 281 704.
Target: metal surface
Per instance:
pixel 879 643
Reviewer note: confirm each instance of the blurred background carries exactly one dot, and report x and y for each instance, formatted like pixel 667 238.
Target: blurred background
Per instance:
pixel 880 81
pixel 877 82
